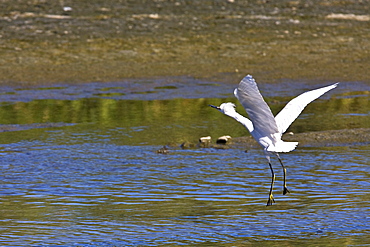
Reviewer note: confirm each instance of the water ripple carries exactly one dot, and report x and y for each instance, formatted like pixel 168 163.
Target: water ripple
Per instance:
pixel 130 195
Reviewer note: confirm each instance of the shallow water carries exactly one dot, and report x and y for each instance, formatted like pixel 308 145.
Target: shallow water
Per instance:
pixel 85 171
pixel 101 193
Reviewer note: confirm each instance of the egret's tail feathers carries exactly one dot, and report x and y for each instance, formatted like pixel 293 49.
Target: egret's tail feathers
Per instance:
pixel 282 146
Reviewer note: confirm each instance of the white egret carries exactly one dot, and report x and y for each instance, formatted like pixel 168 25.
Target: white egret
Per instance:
pixel 263 126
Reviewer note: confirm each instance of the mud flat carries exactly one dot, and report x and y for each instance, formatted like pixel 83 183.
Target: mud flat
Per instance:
pixel 47 42
pixel 328 138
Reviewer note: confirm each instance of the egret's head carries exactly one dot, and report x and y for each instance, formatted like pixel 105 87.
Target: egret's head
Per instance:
pixel 225 108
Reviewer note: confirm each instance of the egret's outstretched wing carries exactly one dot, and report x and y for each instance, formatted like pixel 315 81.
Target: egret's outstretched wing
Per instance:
pixel 292 110
pixel 259 112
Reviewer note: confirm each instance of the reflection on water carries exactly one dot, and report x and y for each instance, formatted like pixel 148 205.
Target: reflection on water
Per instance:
pixel 98 180
pixel 174 121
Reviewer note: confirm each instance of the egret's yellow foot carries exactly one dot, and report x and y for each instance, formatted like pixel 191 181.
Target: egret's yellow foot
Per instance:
pixel 270 200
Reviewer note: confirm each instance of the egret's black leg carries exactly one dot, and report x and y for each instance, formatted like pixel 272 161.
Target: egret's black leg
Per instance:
pixel 285 190
pixel 271 197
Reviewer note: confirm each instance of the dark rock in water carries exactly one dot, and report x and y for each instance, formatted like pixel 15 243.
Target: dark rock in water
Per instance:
pixel 205 141
pixel 163 150
pixel 187 144
pixel 223 139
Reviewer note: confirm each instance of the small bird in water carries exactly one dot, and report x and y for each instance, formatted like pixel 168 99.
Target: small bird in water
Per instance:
pixel 263 126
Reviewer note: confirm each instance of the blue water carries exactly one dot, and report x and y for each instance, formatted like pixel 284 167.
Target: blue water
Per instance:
pixel 81 169
pixel 101 193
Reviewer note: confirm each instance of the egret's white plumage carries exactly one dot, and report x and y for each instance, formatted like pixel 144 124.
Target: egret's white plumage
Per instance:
pixel 263 126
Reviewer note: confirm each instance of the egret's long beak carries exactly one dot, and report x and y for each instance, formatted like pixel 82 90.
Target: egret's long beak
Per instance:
pixel 216 107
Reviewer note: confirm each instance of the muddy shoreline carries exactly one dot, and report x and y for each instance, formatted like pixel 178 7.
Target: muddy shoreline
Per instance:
pixel 46 42
pixel 328 138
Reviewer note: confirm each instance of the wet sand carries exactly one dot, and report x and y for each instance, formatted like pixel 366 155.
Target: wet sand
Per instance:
pixel 47 42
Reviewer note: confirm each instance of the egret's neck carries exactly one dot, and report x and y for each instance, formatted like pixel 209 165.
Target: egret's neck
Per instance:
pixel 241 119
